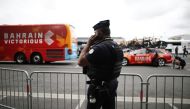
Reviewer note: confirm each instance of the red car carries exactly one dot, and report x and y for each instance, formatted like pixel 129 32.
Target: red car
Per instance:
pixel 147 56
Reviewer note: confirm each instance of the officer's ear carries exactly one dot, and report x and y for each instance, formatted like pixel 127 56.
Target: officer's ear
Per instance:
pixel 99 34
pixel 106 31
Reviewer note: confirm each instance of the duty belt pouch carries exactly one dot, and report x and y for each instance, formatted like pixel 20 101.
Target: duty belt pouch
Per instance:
pixel 92 90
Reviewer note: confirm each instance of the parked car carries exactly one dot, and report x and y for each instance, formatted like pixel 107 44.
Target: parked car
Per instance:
pixel 146 56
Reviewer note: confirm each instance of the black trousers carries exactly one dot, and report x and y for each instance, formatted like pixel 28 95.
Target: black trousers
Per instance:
pixel 105 99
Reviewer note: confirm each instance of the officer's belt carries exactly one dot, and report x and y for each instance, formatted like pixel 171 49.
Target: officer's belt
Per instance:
pixel 98 82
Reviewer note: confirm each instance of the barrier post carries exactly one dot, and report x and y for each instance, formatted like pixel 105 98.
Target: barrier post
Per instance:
pixel 12 88
pixel 167 85
pixel 130 83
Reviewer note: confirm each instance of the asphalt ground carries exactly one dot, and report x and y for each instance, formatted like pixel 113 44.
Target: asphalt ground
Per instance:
pixel 128 97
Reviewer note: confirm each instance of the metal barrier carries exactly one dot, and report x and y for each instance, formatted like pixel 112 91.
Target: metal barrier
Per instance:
pixel 67 90
pixel 130 92
pixel 167 89
pixel 58 90
pixel 14 89
pixel 63 90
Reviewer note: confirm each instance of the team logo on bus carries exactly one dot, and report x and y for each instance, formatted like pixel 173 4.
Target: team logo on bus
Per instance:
pixel 48 36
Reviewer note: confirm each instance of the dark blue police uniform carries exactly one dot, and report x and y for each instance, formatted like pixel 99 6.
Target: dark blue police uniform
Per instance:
pixel 105 58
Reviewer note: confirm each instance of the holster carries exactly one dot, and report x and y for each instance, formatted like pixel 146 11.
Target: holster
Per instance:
pixel 98 88
pixel 103 91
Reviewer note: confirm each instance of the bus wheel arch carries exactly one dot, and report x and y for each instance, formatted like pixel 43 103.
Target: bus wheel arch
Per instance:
pixel 20 58
pixel 36 58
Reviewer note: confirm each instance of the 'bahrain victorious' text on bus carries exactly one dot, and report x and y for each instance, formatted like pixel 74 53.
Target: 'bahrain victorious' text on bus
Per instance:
pixel 37 43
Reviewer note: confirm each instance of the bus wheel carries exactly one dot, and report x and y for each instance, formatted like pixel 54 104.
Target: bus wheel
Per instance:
pixel 20 58
pixel 36 58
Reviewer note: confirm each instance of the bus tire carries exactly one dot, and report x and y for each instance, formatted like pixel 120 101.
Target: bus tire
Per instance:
pixel 36 58
pixel 20 58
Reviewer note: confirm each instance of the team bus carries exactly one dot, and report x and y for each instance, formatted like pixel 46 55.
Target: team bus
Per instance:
pixel 37 43
pixel 172 44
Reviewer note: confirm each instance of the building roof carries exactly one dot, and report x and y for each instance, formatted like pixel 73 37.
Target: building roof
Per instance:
pixel 180 37
pixel 85 39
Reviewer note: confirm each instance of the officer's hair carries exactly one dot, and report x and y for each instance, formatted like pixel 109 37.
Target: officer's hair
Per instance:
pixel 106 31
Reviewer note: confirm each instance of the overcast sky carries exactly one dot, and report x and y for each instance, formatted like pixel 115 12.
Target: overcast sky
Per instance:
pixel 128 18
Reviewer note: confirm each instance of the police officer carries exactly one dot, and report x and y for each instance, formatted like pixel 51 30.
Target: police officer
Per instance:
pixel 101 59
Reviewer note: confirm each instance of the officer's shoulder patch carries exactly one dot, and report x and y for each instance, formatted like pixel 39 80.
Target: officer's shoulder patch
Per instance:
pixel 91 51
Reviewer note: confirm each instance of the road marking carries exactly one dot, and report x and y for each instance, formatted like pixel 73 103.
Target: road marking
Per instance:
pixel 77 66
pixel 173 107
pixel 6 106
pixel 81 97
pixel 2 97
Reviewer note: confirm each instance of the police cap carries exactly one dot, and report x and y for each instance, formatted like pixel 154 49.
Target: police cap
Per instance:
pixel 102 24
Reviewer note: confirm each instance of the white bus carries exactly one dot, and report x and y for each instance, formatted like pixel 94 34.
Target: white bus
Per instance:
pixel 172 44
